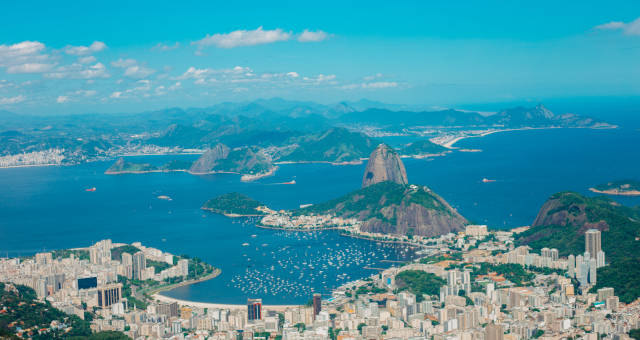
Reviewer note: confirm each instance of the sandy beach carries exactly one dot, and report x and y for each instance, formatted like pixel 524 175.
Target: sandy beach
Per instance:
pixel 162 298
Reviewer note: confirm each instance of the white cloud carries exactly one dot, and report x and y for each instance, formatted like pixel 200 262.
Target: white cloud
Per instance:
pixel 293 74
pixel 87 60
pixel 195 73
pixel 310 36
pixel 175 86
pixel 380 85
pixel 629 28
pixel 124 63
pixel 29 68
pixel 165 47
pixel 79 71
pixel 244 38
pixel 370 85
pixel 25 57
pixel 116 94
pixel 12 100
pixel 372 77
pixel 62 99
pixel 96 46
pixel 138 72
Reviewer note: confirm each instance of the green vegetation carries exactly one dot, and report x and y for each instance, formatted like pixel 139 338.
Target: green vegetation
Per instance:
pixel 24 311
pixel 122 166
pixel 422 147
pixel 369 202
pixel 511 271
pixel 245 161
pixel 233 203
pixel 116 253
pixel 176 165
pixel 635 333
pixel 335 145
pixel 440 258
pixel 65 253
pixel 419 283
pixel 563 221
pixel 159 266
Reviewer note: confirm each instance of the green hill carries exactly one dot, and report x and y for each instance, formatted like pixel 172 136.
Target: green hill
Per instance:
pixel 422 147
pixel 233 204
pixel 335 145
pixel 393 208
pixel 562 222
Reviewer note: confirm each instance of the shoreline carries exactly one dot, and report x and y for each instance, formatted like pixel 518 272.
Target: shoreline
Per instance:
pixel 449 144
pixel 156 291
pixel 212 305
pixel 616 192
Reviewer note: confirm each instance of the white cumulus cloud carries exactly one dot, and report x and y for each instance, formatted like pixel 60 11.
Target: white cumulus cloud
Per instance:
pixel 79 71
pixel 62 99
pixel 628 28
pixel 25 57
pixel 29 68
pixel 96 46
pixel 138 72
pixel 12 100
pixel 244 38
pixel 311 36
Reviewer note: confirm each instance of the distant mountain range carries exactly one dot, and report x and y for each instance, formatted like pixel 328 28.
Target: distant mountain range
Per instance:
pixel 261 123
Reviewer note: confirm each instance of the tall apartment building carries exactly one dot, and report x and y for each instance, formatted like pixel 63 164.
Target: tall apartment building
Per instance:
pixel 592 242
pixel 254 309
pixel 139 264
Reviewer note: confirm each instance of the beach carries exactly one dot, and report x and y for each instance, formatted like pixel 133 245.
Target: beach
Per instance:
pixel 162 298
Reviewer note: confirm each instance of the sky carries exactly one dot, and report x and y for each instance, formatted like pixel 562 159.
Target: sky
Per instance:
pixel 130 56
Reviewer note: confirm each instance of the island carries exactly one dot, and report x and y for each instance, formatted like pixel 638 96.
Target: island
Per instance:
pixel 386 208
pixel 234 204
pixel 423 148
pixel 123 167
pixel 620 188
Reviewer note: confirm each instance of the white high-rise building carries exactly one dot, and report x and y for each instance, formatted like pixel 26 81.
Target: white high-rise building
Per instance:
pixel 600 259
pixel 592 242
pixel 571 266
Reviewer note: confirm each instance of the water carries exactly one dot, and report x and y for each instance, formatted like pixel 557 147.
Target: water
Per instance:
pixel 48 208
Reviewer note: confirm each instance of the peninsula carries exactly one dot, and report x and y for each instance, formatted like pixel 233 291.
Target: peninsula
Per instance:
pixel 620 188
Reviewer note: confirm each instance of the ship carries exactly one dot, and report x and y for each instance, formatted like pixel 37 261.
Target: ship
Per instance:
pixel 90 189
pixel 484 180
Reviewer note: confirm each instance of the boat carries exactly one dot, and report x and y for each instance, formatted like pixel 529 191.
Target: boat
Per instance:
pixel 293 181
pixel 164 197
pixel 90 189
pixel 484 180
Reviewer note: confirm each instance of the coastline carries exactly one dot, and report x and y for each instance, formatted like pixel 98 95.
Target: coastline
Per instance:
pixel 158 290
pixel 163 298
pixel 250 178
pixel 616 192
pixel 449 144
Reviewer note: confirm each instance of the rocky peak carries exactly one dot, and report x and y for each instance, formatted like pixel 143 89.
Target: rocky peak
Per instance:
pixel 384 165
pixel 209 159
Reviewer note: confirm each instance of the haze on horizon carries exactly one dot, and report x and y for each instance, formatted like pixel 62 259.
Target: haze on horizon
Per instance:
pixel 81 57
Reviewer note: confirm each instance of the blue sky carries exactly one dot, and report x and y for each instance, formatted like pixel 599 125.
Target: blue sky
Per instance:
pixel 123 56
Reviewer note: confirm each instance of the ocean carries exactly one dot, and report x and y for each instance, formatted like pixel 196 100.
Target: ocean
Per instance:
pixel 46 208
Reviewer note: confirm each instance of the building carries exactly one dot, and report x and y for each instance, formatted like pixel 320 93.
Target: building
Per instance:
pixel 254 309
pixel 493 332
pixel 139 264
pixel 109 294
pixel 88 282
pixel 168 309
pixel 317 304
pixel 127 265
pixel 476 230
pixel 592 242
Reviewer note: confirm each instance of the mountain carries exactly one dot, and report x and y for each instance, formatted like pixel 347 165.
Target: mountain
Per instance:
pixel 562 222
pixel 244 160
pixel 208 160
pixel 392 208
pixel 335 145
pixel 384 165
pixel 518 117
pixel 422 147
